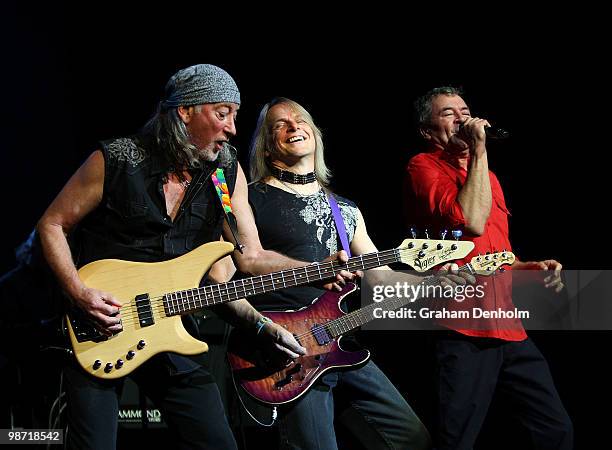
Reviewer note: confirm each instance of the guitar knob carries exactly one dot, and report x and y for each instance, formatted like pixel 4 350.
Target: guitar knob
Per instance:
pixel 141 344
pixel 130 354
pixel 425 246
pixel 119 364
pixel 421 254
pixel 97 364
pixel 108 367
pixel 410 245
pixel 439 246
pixel 454 247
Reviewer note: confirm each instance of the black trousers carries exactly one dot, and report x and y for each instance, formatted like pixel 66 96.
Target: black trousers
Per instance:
pixel 471 370
pixel 191 405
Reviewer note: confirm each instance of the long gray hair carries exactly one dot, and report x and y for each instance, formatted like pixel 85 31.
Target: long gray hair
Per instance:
pixel 171 136
pixel 262 143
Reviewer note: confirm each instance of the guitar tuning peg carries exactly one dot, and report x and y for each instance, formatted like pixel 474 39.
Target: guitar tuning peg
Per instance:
pixel 443 234
pixel 457 234
pixel 413 232
pixel 426 234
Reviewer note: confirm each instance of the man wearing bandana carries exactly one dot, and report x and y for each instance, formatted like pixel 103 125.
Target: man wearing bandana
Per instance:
pixel 149 198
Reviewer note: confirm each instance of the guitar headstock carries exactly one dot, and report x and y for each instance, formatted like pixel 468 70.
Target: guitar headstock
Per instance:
pixel 424 254
pixel 491 262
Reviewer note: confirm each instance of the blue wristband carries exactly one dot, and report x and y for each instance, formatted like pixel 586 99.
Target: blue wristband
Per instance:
pixel 261 323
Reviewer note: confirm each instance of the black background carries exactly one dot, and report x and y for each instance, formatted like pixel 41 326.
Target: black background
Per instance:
pixel 71 79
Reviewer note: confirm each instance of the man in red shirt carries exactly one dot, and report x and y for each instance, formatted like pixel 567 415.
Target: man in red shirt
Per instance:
pixel 451 186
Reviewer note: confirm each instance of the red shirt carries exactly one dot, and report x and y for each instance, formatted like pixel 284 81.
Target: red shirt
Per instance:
pixel 432 185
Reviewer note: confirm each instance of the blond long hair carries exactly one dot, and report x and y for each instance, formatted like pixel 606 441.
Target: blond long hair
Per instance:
pixel 262 144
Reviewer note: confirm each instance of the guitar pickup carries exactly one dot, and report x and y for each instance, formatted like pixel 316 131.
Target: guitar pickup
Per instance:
pixel 320 334
pixel 143 308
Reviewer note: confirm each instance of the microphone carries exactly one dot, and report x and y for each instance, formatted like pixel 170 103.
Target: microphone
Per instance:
pixel 492 132
pixel 496 133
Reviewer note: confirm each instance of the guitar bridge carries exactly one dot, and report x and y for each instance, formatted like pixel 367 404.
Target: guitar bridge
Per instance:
pixel 279 385
pixel 84 329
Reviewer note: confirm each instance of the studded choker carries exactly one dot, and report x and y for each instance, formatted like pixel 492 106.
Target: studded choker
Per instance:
pixel 293 178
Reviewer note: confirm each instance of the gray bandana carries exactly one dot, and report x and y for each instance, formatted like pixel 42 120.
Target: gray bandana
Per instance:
pixel 199 84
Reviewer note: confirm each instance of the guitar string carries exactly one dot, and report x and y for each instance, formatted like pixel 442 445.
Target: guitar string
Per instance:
pixel 355 315
pixel 340 322
pixel 358 314
pixel 226 290
pixel 159 304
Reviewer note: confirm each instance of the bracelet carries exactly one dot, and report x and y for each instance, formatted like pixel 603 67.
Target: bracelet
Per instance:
pixel 261 323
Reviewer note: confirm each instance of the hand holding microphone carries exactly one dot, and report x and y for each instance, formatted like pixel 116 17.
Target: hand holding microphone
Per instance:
pixel 490 132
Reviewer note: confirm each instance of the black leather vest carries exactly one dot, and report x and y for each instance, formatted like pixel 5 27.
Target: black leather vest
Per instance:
pixel 131 222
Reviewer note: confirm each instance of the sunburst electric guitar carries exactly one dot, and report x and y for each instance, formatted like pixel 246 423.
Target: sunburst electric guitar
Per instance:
pixel 155 295
pixel 319 328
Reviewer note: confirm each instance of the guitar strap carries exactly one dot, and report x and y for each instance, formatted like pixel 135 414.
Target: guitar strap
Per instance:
pixel 339 222
pixel 218 179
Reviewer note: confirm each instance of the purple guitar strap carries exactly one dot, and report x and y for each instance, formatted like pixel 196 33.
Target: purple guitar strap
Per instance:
pixel 339 223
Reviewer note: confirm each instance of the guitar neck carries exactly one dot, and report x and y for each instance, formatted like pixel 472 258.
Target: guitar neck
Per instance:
pixel 190 300
pixel 364 315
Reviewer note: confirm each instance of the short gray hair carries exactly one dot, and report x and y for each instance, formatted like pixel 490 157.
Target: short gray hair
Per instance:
pixel 422 105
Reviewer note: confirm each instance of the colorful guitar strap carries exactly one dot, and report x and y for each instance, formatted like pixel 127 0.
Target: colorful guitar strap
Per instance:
pixel 218 179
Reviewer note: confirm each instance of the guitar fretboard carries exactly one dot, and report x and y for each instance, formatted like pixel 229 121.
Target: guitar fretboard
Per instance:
pixel 186 301
pixel 364 315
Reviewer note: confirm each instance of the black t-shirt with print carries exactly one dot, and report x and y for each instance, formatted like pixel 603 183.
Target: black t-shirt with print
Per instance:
pixel 301 227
